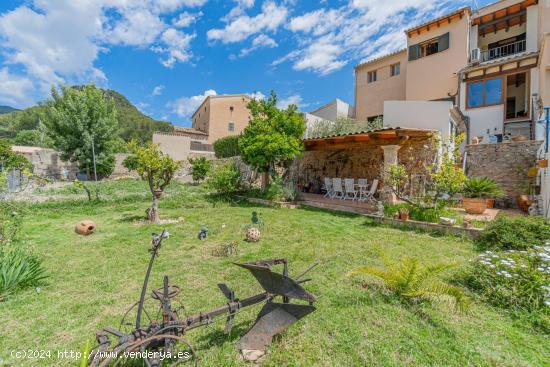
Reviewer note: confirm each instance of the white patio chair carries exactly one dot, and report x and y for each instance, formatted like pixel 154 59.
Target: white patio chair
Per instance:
pixel 349 184
pixel 337 188
pixel 362 182
pixel 329 188
pixel 369 196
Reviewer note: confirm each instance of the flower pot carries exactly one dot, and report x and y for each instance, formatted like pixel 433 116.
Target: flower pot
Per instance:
pixel 404 214
pixel 474 205
pixel 490 203
pixel 543 163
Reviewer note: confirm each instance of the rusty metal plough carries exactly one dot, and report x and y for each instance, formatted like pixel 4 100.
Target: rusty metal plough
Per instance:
pixel 161 341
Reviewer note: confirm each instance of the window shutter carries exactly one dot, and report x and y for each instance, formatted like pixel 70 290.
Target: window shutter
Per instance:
pixel 443 43
pixel 414 52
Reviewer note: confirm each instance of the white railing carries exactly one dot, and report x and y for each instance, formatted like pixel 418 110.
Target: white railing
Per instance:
pixel 503 51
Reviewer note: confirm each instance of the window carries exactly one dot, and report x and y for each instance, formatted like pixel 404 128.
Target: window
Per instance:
pixel 484 93
pixel 395 69
pixel 429 47
pixel 371 76
pixel 231 126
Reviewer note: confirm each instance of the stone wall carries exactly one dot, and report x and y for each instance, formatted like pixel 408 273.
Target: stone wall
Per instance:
pixel 506 163
pixel 360 161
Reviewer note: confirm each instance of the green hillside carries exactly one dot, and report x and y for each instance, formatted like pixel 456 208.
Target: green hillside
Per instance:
pixel 23 127
pixel 7 109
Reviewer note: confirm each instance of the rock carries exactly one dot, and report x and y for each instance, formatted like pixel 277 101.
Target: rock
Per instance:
pixel 447 221
pixel 181 220
pixel 252 355
pixel 85 227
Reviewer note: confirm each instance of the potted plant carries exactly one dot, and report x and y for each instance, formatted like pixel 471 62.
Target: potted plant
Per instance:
pixel 476 191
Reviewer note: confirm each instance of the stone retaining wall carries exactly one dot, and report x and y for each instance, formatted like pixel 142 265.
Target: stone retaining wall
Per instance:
pixel 506 163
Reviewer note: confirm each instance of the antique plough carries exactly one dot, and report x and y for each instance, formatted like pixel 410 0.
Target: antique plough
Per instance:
pixel 161 342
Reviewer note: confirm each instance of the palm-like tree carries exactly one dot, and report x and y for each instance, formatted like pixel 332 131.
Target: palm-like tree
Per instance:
pixel 409 279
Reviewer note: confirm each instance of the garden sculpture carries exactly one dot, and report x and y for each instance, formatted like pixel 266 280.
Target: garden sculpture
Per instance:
pixel 85 227
pixel 160 341
pixel 253 235
pixel 202 233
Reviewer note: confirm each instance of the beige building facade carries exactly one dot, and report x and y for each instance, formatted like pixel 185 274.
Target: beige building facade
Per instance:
pixel 222 115
pixel 492 65
pixel 379 80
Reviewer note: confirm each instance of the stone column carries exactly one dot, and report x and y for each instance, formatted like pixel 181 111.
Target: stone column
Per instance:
pixel 390 159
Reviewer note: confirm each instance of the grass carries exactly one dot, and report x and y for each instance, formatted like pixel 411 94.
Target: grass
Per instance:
pixel 94 279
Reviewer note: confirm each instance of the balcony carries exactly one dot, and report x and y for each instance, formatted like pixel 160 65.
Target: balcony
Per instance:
pixel 503 51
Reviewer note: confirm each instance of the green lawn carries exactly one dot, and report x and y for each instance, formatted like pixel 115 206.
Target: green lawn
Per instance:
pixel 94 279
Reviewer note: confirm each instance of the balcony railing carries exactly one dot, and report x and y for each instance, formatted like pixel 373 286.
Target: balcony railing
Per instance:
pixel 503 51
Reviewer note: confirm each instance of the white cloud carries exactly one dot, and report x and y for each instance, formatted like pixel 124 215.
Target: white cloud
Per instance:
pixel 176 45
pixel 294 99
pixel 139 27
pixel 259 42
pixel 14 89
pixel 186 106
pixel 157 91
pixel 243 26
pixel 256 95
pixel 57 42
pixel 328 39
pixel 185 19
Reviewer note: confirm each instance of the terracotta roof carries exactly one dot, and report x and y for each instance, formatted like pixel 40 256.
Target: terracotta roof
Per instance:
pixel 366 132
pixel 436 20
pixel 380 58
pixel 187 130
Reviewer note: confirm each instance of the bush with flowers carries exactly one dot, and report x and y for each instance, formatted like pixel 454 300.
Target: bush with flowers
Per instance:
pixel 518 280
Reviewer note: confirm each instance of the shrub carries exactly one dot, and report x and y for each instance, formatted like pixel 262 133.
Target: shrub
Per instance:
pixel 514 233
pixel 200 168
pixel 430 215
pixel 19 269
pixel 225 179
pixel 10 222
pixel 227 147
pixel 279 191
pixel 481 187
pixel 517 280
pixel 411 280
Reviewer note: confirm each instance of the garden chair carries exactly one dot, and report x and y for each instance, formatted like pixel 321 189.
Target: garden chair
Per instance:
pixel 328 188
pixel 349 184
pixel 369 196
pixel 337 188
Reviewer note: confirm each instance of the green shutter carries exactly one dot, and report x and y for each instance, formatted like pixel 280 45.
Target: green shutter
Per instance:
pixel 443 43
pixel 414 52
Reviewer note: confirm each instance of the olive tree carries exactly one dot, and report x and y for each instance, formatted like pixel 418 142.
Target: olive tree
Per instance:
pixel 155 168
pixel 273 136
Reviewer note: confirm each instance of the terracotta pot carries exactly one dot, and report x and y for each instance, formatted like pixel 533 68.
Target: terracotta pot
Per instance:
pixel 404 214
pixel 490 203
pixel 543 163
pixel 524 202
pixel 85 227
pixel 474 205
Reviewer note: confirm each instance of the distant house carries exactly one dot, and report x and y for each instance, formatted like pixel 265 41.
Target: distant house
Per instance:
pixel 222 115
pixel 332 111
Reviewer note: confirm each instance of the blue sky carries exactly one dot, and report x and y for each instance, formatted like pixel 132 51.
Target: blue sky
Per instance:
pixel 167 55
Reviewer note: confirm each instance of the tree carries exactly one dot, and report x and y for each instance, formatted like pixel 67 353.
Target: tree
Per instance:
pixel 154 167
pixel 273 136
pixel 81 122
pixel 199 168
pixel 9 159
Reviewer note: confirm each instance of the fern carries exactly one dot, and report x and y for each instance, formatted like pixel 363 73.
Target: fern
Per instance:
pixel 409 279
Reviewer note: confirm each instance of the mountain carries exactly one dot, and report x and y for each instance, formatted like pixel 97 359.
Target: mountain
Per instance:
pixel 7 109
pixel 22 125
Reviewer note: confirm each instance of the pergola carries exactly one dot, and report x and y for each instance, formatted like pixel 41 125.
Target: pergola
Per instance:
pixel 364 143
pixel 504 18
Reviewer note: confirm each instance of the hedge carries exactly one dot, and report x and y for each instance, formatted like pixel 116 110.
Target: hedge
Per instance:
pixel 227 147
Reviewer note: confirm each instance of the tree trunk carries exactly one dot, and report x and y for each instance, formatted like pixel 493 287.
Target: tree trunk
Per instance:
pixel 265 180
pixel 153 212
